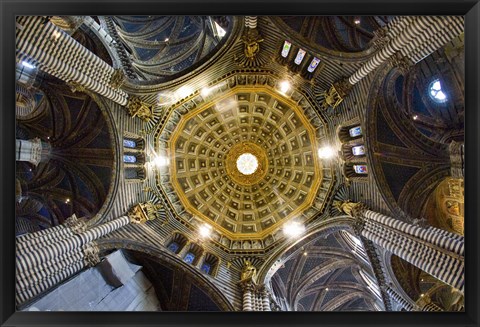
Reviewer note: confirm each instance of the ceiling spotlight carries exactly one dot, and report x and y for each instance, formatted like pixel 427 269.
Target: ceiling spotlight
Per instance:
pixel 305 253
pixel 205 91
pixel 293 229
pixel 415 117
pixel 284 86
pixel 161 161
pixel 205 230
pixel 357 21
pixel 167 39
pixel 326 152
pixel 28 65
pixel 184 92
pixel 326 289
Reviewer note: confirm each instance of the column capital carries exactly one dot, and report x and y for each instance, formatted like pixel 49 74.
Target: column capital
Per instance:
pixel 91 254
pixel 380 38
pixel 400 62
pixel 117 79
pixel 76 225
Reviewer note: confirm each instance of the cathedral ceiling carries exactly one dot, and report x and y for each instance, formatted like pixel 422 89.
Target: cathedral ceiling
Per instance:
pixel 333 35
pixel 76 173
pixel 206 135
pixel 177 289
pixel 161 47
pixel 408 161
pixel 324 275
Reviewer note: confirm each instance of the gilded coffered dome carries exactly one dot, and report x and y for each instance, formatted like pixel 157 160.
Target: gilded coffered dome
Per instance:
pixel 243 158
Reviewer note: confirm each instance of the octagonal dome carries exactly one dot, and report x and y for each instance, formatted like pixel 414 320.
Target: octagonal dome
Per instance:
pixel 278 133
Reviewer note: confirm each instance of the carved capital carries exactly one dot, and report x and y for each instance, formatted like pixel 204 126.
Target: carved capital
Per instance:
pixel 380 38
pixel 400 62
pixel 117 78
pixel 91 255
pixel 76 87
pixel 76 225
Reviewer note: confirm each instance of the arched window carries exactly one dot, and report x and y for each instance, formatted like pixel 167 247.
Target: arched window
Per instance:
pixel 174 247
pixel 313 64
pixel 436 93
pixel 210 264
pixel 128 143
pixel 286 49
pixel 355 131
pixel 358 150
pixel 301 53
pixel 360 169
pixel 189 257
pixel 176 242
pixel 206 267
pixel 127 158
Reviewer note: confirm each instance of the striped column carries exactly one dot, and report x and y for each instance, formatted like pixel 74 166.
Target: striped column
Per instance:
pixel 265 300
pixel 248 297
pixel 48 257
pixel 416 28
pixel 452 27
pixel 49 48
pixel 400 300
pixel 432 307
pixel 439 254
pixel 251 21
pixel 412 38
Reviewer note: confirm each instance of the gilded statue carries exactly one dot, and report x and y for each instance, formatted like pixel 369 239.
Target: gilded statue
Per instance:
pixel 249 272
pixel 252 40
pixel 143 212
pixel 350 208
pixel 140 109
pixel 331 98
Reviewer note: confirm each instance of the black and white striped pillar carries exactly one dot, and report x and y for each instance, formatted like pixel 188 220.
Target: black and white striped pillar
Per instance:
pixel 439 254
pixel 400 299
pixel 46 258
pixel 47 47
pixel 412 38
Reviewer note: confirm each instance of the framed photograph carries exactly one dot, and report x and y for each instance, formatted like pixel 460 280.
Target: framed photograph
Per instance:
pixel 238 163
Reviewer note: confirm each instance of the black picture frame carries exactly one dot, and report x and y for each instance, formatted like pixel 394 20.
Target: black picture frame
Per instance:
pixel 11 8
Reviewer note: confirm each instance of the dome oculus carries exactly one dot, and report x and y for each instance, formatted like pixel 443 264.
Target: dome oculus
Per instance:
pixel 247 163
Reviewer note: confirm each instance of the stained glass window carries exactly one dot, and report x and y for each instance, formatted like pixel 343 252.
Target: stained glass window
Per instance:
pixel 129 158
pixel 313 64
pixel 129 143
pixel 360 169
pixel 174 246
pixel 189 257
pixel 286 49
pixel 206 268
pixel 436 93
pixel 301 53
pixel 355 131
pixel 358 150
